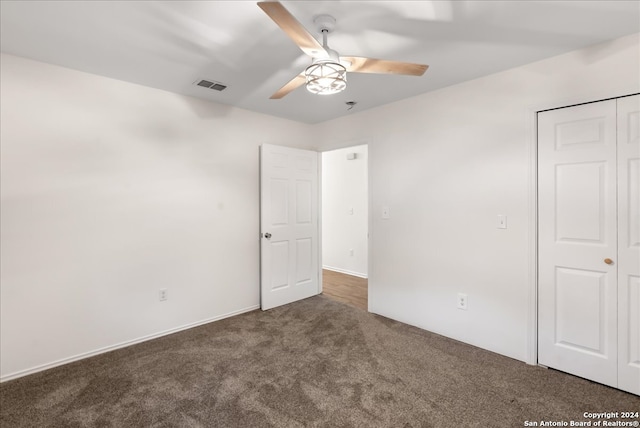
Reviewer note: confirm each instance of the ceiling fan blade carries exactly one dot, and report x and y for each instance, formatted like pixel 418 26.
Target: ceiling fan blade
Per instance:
pixel 381 66
pixel 294 83
pixel 293 28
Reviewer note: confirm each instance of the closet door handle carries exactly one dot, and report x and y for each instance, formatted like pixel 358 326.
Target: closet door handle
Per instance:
pixel 608 261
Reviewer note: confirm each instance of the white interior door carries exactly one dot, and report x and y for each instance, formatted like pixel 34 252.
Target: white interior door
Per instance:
pixel 629 244
pixel 289 249
pixel 577 241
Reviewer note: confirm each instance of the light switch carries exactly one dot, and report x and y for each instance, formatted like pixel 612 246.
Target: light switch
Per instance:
pixel 350 211
pixel 385 212
pixel 502 221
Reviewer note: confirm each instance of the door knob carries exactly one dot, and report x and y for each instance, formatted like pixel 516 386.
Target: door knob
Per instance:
pixel 608 261
pixel 268 236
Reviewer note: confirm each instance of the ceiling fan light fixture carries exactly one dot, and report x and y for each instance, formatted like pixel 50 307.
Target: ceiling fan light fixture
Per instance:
pixel 326 77
pixel 328 73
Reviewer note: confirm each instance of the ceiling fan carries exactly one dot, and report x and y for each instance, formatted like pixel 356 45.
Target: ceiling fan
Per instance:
pixel 327 73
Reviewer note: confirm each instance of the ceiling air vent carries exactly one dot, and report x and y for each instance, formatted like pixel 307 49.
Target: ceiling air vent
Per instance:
pixel 211 85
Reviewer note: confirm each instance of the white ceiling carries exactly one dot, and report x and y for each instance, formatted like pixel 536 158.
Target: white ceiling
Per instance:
pixel 171 44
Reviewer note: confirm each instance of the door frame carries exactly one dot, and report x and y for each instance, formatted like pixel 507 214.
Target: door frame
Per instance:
pixel 345 145
pixel 336 146
pixel 367 195
pixel 532 222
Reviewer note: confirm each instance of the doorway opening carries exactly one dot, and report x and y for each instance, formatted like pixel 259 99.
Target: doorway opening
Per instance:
pixel 345 225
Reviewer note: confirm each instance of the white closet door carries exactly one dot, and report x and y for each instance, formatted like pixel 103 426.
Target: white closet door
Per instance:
pixel 629 244
pixel 577 291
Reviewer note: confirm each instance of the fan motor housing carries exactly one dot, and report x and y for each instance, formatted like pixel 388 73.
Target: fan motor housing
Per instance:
pixel 325 23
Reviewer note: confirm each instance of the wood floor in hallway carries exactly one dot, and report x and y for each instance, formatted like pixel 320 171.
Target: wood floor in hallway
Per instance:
pixel 344 288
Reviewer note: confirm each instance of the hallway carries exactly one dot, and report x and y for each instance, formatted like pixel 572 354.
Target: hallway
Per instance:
pixel 344 288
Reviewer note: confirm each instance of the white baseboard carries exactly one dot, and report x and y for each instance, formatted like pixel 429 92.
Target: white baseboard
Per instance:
pixel 348 272
pixel 84 355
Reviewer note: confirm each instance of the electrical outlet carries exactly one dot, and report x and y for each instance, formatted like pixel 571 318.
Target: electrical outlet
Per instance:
pixel 163 294
pixel 351 252
pixel 462 301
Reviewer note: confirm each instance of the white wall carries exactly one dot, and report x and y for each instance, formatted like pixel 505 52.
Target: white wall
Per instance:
pixel 345 210
pixel 110 192
pixel 447 163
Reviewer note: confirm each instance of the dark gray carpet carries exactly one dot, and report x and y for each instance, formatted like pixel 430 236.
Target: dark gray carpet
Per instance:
pixel 314 363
